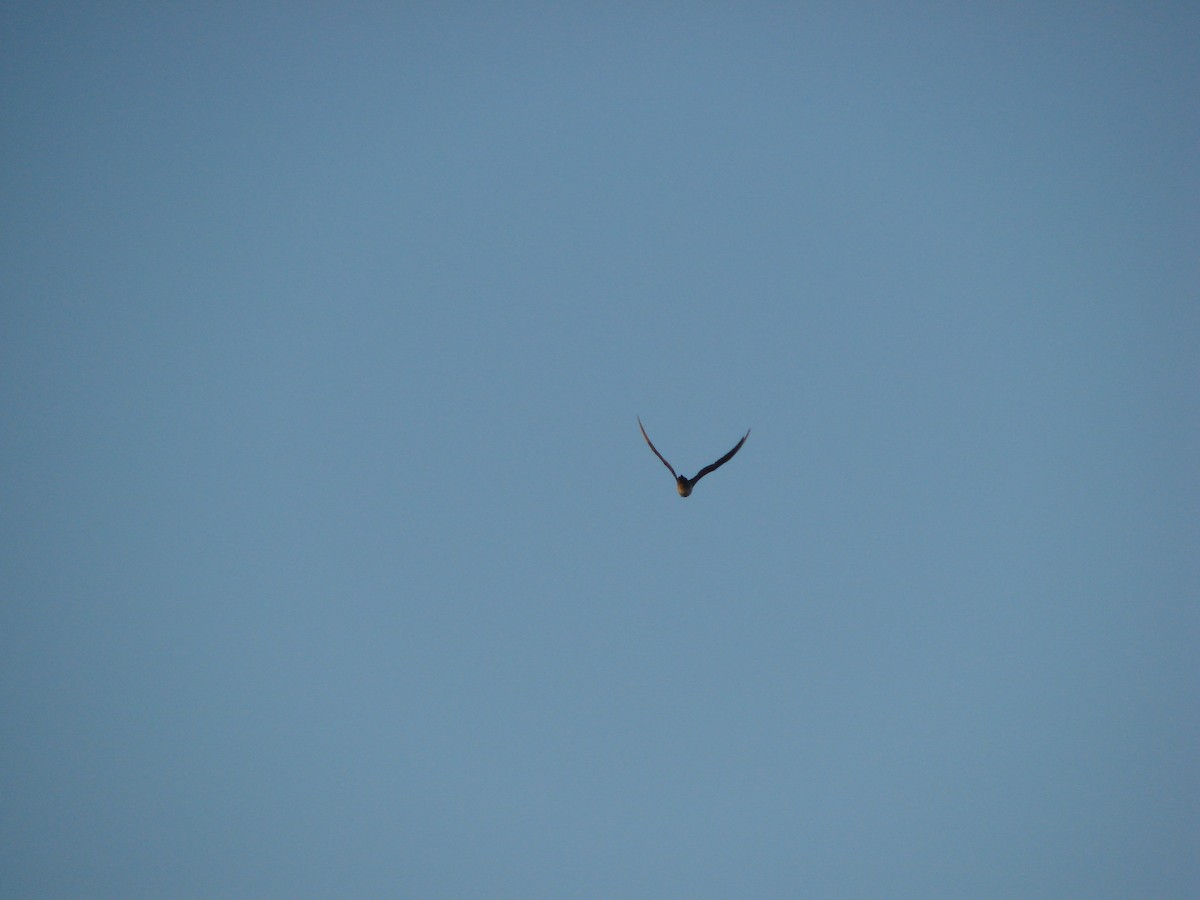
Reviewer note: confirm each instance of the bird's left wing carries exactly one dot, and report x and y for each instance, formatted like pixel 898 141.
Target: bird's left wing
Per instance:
pixel 660 456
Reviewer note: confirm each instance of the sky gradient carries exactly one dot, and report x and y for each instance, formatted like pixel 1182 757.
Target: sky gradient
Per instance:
pixel 333 561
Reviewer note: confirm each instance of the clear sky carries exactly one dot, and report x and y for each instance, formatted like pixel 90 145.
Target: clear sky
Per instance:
pixel 333 561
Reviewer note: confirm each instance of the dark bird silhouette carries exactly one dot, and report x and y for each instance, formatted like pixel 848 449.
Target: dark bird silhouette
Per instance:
pixel 685 485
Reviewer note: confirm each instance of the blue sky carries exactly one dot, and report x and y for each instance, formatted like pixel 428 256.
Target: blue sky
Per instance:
pixel 334 564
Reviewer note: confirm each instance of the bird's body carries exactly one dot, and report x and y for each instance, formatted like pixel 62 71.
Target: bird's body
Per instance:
pixel 685 485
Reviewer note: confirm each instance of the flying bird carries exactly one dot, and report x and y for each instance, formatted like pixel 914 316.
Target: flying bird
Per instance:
pixel 685 485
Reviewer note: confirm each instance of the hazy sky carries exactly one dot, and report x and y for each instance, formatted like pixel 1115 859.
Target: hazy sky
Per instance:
pixel 333 561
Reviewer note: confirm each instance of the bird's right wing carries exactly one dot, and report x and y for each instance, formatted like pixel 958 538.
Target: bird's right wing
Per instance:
pixel 655 449
pixel 724 459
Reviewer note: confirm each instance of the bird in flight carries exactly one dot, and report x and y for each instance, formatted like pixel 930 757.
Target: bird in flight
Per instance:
pixel 685 485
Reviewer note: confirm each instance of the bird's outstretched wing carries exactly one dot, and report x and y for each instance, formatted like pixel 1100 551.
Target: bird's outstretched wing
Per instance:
pixel 720 462
pixel 660 456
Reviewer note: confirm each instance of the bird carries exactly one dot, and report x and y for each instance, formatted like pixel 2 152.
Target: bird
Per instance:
pixel 685 485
